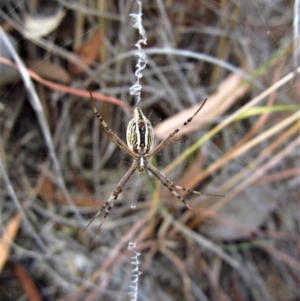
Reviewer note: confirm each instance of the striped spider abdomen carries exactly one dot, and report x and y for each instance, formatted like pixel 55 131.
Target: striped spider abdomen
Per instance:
pixel 140 135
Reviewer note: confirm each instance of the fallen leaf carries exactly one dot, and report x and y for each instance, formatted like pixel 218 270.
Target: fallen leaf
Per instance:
pixel 7 237
pixel 228 92
pixel 243 215
pixel 50 194
pixel 38 26
pixel 48 70
pixel 88 52
pixel 47 191
pixel 80 184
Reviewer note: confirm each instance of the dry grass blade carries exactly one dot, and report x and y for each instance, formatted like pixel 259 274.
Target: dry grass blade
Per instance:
pixel 70 90
pixel 7 237
pixel 256 175
pixel 201 240
pixel 36 105
pixel 28 284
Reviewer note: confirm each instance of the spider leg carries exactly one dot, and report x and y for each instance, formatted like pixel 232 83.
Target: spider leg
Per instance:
pixel 111 201
pixel 108 131
pixel 171 142
pixel 107 207
pixel 194 191
pixel 165 141
pixel 169 184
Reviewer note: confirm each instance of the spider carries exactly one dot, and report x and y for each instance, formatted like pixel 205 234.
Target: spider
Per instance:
pixel 140 137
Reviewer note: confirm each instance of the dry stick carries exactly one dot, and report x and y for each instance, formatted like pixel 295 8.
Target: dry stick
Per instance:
pixel 113 256
pixel 268 133
pixel 280 140
pixel 201 240
pixel 296 30
pixel 272 131
pixel 179 264
pixel 260 172
pixel 49 45
pixel 289 173
pixel 170 35
pixel 293 263
pixel 36 105
pixel 263 117
pixel 188 54
pixel 294 129
pixel 8 235
pixel 246 147
pixel 79 7
pixel 224 123
pixel 257 161
pixel 63 88
pixel 18 206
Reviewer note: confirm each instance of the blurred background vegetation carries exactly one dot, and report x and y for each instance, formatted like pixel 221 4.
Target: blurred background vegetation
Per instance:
pixel 57 167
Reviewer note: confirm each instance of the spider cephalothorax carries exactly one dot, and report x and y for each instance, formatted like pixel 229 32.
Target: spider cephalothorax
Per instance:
pixel 140 138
